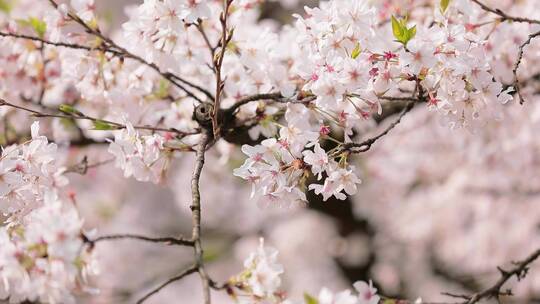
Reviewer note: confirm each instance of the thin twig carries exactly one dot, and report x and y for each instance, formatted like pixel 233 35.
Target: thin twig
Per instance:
pixel 517 85
pixel 183 274
pixel 391 98
pixel 504 16
pixel 81 116
pixel 366 144
pixel 83 166
pixel 519 271
pixel 226 37
pixel 61 44
pixel 211 48
pixel 167 240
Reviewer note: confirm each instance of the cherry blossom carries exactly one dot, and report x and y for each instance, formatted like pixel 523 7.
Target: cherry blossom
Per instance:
pixel 43 256
pixel 261 277
pixel 138 156
pixel 366 292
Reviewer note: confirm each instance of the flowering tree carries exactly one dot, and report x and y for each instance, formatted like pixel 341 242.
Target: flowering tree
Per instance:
pixel 316 107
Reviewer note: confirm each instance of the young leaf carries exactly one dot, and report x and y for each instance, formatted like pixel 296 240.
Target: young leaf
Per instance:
pixel 444 5
pixel 397 28
pixel 412 33
pixel 68 109
pixel 309 299
pixel 356 51
pixel 401 32
pixel 39 26
pixel 103 125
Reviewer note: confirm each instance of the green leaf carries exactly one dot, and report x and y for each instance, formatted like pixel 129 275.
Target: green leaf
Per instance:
pixel 39 26
pixel 68 109
pixel 356 51
pixel 412 33
pixel 413 30
pixel 103 125
pixel 444 5
pixel 397 28
pixel 401 32
pixel 6 6
pixel 310 299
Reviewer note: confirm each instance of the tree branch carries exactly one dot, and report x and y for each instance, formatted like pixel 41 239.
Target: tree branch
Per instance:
pixel 366 144
pixel 61 44
pixel 201 30
pixel 226 37
pixel 181 275
pixel 277 97
pixel 83 166
pixel 196 213
pixel 167 240
pixel 518 62
pixel 519 271
pixel 81 116
pixel 504 16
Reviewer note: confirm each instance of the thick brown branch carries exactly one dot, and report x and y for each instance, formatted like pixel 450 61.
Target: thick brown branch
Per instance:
pixel 276 97
pixel 269 96
pixel 196 212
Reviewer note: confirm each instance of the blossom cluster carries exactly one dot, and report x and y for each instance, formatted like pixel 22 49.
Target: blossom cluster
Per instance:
pixel 28 172
pixel 42 254
pixel 139 156
pixel 344 56
pixel 260 282
pixel 352 64
pixel 279 168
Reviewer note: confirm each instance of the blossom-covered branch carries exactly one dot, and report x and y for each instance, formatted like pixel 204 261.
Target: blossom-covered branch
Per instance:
pixel 126 54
